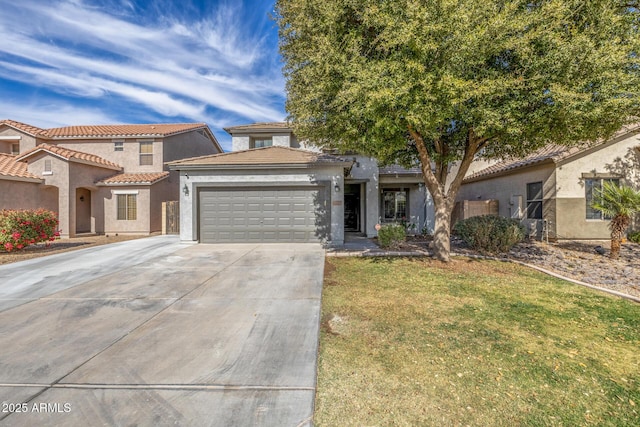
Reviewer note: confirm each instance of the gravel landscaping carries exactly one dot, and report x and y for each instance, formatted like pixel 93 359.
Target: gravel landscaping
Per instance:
pixel 574 259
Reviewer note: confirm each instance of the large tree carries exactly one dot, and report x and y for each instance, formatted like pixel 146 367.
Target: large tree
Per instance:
pixel 444 81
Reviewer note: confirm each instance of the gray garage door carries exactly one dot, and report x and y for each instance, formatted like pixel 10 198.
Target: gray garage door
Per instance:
pixel 271 214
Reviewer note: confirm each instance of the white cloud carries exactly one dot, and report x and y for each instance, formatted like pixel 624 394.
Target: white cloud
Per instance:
pixel 179 69
pixel 53 114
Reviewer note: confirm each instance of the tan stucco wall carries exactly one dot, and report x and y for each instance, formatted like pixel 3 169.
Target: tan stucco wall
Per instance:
pixel 617 158
pixel 503 187
pixel 564 192
pixel 620 157
pixel 26 195
pixel 26 141
pixel 185 145
pixel 129 158
pixel 68 177
pixel 111 223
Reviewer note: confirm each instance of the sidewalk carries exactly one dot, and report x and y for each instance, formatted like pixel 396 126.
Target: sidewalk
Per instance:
pixel 359 245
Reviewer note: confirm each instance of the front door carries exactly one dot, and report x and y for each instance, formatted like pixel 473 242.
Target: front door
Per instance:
pixel 352 207
pixel 83 210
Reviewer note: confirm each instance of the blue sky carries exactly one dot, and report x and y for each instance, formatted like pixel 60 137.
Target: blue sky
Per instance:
pixel 72 62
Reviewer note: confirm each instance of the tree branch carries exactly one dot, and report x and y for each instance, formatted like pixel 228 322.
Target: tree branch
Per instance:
pixel 471 148
pixel 430 179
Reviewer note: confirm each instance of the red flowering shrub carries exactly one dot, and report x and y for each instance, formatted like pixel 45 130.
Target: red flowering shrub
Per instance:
pixel 19 229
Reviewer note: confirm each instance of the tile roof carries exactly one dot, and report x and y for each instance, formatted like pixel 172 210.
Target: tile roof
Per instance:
pixel 106 131
pixel 550 153
pixel 10 168
pixel 263 126
pixel 71 155
pixel 266 156
pixel 134 178
pixel 31 130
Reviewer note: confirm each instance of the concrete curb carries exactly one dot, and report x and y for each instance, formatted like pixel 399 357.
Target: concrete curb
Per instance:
pixel 455 254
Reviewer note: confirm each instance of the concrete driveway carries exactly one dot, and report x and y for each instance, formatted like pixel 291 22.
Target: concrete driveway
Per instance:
pixel 151 332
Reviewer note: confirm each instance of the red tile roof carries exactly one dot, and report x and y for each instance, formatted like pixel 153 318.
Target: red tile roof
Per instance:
pixel 31 130
pixel 111 131
pixel 134 178
pixel 106 131
pixel 71 155
pixel 266 156
pixel 10 168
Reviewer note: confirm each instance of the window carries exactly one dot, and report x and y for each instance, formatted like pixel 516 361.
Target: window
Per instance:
pixel 394 204
pixel 590 186
pixel 118 145
pixel 15 149
pixel 127 207
pixel 146 153
pixel 47 168
pixel 534 200
pixel 261 142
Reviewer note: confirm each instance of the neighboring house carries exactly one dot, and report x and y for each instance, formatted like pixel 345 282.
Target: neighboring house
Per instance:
pixel 274 188
pixel 99 179
pixel 551 190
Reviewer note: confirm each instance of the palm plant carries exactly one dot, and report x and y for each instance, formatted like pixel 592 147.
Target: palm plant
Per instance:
pixel 618 203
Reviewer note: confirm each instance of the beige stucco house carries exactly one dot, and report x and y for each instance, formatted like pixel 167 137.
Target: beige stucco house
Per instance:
pixel 274 188
pixel 551 190
pixel 99 179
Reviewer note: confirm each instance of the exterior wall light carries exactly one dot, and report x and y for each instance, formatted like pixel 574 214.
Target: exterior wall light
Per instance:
pixel 185 190
pixel 336 188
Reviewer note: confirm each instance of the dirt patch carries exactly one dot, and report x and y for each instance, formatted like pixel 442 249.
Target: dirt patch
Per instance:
pixel 62 245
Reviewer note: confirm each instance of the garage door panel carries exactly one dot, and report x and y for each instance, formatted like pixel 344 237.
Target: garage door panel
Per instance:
pixel 262 215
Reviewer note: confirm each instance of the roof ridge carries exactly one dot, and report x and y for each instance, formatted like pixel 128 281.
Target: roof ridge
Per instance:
pixel 68 154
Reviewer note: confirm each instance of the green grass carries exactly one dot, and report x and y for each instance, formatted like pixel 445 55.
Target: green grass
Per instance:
pixel 479 343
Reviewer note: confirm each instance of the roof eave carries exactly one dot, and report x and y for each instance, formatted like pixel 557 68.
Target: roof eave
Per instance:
pixel 21 179
pixel 508 171
pixel 126 184
pixel 174 166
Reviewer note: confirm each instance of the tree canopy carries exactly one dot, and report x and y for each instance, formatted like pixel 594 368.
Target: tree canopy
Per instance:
pixel 446 80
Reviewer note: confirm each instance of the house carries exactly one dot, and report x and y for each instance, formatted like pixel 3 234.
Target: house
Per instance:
pixel 551 190
pixel 99 179
pixel 274 188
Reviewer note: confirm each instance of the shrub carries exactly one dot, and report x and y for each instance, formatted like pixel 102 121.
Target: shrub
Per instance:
pixel 392 235
pixel 19 229
pixel 634 237
pixel 490 233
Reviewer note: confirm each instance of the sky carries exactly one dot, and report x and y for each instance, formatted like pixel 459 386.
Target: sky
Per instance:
pixel 87 62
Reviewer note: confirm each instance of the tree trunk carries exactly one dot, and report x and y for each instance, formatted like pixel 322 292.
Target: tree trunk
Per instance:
pixel 615 248
pixel 443 201
pixel 618 225
pixel 442 234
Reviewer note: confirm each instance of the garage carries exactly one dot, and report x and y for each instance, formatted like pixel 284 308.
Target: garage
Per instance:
pixel 266 214
pixel 271 194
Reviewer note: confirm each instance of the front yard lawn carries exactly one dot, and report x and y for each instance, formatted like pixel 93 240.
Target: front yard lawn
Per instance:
pixel 417 342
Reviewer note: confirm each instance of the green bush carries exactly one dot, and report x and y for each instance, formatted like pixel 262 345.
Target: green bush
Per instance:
pixel 19 229
pixel 392 235
pixel 490 233
pixel 634 237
